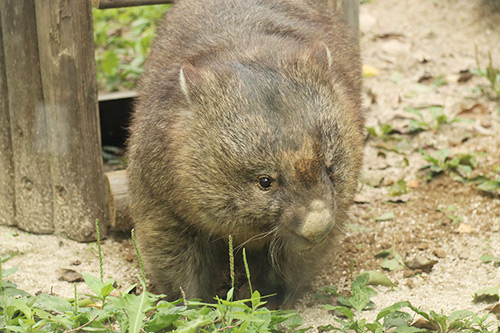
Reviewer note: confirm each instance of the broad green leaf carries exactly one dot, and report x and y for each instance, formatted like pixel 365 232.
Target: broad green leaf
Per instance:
pixel 53 303
pixel 8 271
pixel 94 283
pixel 393 308
pixel 108 287
pixel 460 315
pixel 491 186
pixel 487 294
pixel 341 309
pixel 397 319
pixel 392 264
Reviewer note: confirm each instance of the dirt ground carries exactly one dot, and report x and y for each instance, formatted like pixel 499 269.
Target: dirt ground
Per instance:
pixel 419 52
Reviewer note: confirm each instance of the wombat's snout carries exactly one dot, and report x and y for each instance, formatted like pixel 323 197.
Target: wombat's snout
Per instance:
pixel 318 222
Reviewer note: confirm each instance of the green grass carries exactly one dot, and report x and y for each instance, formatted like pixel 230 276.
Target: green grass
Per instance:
pixel 122 38
pixel 491 73
pixel 146 312
pixel 102 312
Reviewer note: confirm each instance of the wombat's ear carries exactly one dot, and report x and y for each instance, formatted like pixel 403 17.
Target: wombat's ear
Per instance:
pixel 189 77
pixel 319 53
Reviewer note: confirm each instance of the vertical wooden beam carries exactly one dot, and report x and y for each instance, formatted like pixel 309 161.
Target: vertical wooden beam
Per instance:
pixel 348 9
pixel 6 163
pixel 70 94
pixel 28 121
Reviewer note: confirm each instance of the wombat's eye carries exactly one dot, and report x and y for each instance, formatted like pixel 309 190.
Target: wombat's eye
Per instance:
pixel 264 182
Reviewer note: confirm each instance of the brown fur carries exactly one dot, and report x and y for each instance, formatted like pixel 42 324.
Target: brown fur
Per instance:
pixel 235 90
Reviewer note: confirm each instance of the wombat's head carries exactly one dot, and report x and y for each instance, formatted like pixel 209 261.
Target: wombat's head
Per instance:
pixel 270 149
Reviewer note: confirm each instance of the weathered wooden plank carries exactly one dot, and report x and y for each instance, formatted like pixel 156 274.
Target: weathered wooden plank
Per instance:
pixel 28 122
pixel 6 163
pixel 118 200
pixel 70 93
pixel 103 4
pixel 348 9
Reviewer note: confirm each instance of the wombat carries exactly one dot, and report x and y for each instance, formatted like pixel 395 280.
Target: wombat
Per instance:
pixel 248 123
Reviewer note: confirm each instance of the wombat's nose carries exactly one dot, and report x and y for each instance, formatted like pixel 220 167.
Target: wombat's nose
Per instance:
pixel 317 223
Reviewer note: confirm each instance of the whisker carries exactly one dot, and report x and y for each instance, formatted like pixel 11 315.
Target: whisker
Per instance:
pixel 257 237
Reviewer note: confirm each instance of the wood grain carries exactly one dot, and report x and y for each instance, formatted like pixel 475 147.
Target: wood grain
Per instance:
pixel 6 163
pixel 70 95
pixel 28 119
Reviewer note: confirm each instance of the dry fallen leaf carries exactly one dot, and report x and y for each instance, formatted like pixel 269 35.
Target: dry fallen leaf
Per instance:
pixel 423 323
pixel 495 309
pixel 389 35
pixel 69 275
pixel 425 78
pixel 369 70
pixel 412 183
pixel 474 111
pixel 464 228
pixel 400 198
pixel 422 263
pixel 464 76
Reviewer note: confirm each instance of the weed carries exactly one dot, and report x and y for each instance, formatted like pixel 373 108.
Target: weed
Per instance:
pixel 450 214
pixel 387 141
pixel 487 294
pixel 101 311
pixel 398 188
pixel 431 121
pixel 489 258
pixel 359 300
pixel 385 131
pixel 399 317
pixel 393 260
pixel 491 73
pixel 458 166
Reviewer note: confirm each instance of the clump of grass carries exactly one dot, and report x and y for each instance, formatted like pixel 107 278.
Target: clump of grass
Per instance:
pixel 491 73
pixel 434 120
pixel 146 312
pixel 458 166
pixel 399 317
pixel 102 311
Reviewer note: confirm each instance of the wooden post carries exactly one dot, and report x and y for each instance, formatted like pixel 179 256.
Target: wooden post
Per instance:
pixel 118 200
pixel 103 4
pixel 6 163
pixel 51 97
pixel 70 94
pixel 28 122
pixel 348 9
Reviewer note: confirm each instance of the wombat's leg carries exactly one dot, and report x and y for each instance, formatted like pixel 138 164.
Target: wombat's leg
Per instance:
pixel 181 258
pixel 267 279
pixel 282 273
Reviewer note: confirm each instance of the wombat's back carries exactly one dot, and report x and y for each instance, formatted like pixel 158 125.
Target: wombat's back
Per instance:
pixel 201 31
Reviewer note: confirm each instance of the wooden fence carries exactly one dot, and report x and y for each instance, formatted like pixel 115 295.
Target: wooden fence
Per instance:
pixel 51 172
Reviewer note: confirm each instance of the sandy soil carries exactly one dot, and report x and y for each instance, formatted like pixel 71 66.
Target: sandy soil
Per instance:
pixel 411 44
